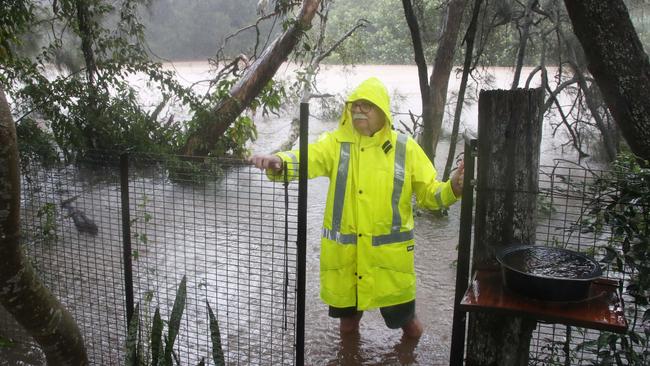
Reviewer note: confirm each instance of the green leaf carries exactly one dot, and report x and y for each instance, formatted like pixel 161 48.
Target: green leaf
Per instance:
pixel 6 342
pixel 215 335
pixel 132 339
pixel 175 320
pixel 156 337
pixel 603 340
pixel 635 337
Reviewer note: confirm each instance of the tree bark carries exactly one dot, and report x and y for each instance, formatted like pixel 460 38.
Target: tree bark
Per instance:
pixel 434 91
pixel 523 42
pixel 21 292
pixel 442 67
pixel 86 31
pixel 467 64
pixel 509 140
pixel 421 63
pixel 619 65
pixel 203 140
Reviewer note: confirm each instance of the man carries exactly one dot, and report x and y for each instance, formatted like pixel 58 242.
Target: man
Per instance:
pixel 367 246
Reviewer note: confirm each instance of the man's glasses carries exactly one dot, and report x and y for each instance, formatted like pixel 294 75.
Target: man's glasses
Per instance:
pixel 361 105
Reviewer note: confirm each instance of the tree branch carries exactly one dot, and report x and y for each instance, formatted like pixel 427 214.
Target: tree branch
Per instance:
pixel 204 138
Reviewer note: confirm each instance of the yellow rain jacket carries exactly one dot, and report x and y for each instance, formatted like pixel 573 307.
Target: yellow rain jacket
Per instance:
pixel 367 245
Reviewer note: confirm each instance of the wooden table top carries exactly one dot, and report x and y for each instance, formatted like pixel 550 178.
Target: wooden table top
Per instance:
pixel 602 310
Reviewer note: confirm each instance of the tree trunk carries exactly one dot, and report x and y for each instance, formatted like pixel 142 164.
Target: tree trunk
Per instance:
pixel 523 42
pixel 249 86
pixel 21 292
pixel 509 139
pixel 618 63
pixel 86 32
pixel 423 74
pixel 467 64
pixel 439 82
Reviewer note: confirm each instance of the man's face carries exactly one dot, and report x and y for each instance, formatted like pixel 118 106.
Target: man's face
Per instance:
pixel 367 118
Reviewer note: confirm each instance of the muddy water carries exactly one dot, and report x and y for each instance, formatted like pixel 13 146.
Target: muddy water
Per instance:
pixel 436 240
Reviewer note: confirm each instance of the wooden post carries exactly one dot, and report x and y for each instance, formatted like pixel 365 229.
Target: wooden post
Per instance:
pixel 509 137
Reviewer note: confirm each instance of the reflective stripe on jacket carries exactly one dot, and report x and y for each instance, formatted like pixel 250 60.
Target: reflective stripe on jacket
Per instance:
pixel 367 246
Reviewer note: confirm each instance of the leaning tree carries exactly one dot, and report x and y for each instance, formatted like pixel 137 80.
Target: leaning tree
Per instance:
pixel 619 65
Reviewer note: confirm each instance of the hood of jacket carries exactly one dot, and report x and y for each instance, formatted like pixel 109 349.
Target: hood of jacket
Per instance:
pixel 374 91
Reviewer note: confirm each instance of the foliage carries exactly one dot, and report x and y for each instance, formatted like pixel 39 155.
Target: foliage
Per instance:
pixel 94 107
pixel 385 40
pixel 47 215
pixel 243 129
pixel 141 237
pixel 6 342
pixel 146 345
pixel 36 145
pixel 215 335
pixel 620 207
pixel 15 15
pixel 82 98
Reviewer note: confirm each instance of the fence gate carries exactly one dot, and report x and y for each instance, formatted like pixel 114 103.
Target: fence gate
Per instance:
pixel 116 230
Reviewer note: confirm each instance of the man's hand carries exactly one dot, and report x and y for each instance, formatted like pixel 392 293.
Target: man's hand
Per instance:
pixel 268 162
pixel 457 179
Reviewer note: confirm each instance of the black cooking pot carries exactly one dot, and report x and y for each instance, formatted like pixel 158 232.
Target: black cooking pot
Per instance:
pixel 547 273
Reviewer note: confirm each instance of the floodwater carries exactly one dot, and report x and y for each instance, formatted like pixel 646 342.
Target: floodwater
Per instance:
pixel 436 238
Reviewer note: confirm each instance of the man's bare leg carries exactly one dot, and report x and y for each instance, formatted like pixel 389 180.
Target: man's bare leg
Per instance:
pixel 350 324
pixel 413 329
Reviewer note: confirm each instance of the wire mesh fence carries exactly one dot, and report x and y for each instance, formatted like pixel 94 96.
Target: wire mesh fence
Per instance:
pixel 220 223
pixel 563 221
pixel 71 229
pixel 232 233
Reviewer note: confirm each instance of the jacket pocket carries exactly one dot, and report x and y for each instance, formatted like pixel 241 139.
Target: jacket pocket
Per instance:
pixel 397 257
pixel 334 255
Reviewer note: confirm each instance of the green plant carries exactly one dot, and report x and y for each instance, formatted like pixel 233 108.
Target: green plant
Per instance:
pixel 6 342
pixel 141 237
pixel 620 209
pixel 559 352
pixel 146 345
pixel 47 216
pixel 36 144
pixel 545 206
pixel 92 104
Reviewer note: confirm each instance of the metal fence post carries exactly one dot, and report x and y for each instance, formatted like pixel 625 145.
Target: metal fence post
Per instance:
pixel 126 236
pixel 464 249
pixel 302 234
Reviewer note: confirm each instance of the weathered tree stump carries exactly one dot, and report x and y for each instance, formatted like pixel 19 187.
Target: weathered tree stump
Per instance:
pixel 509 137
